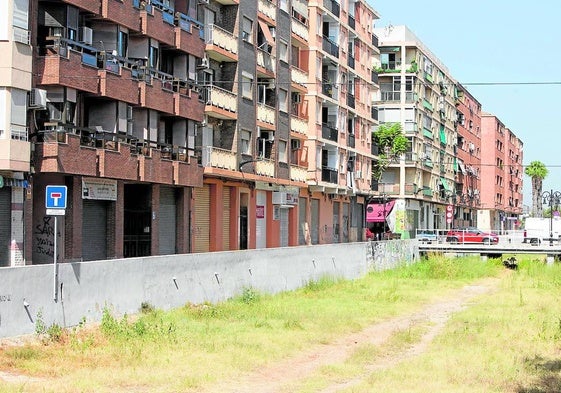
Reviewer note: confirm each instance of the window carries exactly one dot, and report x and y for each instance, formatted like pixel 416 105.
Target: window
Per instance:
pixel 153 57
pixel 283 5
pixel 245 146
pixel 283 51
pixel 283 96
pixel 247 85
pixel 247 29
pixel 122 43
pixel 282 151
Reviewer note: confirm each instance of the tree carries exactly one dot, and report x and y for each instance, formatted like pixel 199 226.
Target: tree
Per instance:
pixel 392 143
pixel 537 171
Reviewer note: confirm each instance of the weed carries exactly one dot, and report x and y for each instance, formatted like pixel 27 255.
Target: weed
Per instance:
pixel 250 296
pixel 146 308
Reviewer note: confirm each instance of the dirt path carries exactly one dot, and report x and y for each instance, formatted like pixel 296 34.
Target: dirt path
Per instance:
pixel 278 377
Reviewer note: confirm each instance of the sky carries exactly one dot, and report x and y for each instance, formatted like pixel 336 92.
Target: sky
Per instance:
pixel 512 46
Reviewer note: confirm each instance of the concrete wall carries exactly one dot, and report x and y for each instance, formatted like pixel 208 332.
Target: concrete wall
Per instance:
pixel 86 288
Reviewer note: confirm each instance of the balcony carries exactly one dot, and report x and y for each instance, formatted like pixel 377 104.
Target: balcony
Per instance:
pixel 15 150
pixel 374 40
pixel 351 140
pixel 410 127
pixel 391 96
pixel 410 158
pixel 329 175
pixel 351 61
pixel 427 105
pixel 266 114
pixel 266 61
pixel 352 22
pixel 219 102
pixel 159 23
pixel 374 76
pixel 221 44
pixel 298 125
pixel 298 173
pixel 300 77
pixel 391 66
pixel 158 94
pixel 218 158
pixel 374 113
pixel 265 167
pixel 350 100
pixel 300 30
pixel 330 47
pixel 189 35
pixel 267 8
pixel 330 89
pixel 427 192
pixel 329 132
pixel 333 7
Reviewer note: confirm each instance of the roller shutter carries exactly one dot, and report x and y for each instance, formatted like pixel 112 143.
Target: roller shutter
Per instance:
pixel 202 220
pixel 5 226
pixel 94 230
pixel 302 208
pixel 226 218
pixel 283 227
pixel 167 222
pixel 314 227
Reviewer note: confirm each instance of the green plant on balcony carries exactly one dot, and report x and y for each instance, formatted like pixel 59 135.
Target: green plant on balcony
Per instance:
pixel 392 143
pixel 414 67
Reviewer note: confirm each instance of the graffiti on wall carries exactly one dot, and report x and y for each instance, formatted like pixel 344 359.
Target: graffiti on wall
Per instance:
pixel 43 238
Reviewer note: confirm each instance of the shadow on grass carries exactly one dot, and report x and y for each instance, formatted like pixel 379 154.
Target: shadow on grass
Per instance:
pixel 547 373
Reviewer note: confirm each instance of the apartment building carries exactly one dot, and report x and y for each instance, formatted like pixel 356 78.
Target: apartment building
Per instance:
pixel 115 113
pixel 502 175
pixel 342 116
pixel 184 126
pixel 417 91
pixel 15 84
pixel 467 197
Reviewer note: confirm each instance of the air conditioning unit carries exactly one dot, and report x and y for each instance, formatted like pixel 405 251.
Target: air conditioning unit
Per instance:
pixel 37 99
pixel 203 63
pixel 87 35
pixel 295 144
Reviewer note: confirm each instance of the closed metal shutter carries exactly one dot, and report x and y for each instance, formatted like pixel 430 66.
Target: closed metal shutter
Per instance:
pixel 167 223
pixel 94 230
pixel 283 227
pixel 336 222
pixel 302 227
pixel 345 223
pixel 226 218
pixel 5 225
pixel 314 227
pixel 202 219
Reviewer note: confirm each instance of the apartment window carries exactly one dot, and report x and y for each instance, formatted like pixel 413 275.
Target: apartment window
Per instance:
pixel 245 146
pixel 122 43
pixel 282 145
pixel 153 57
pixel 283 100
pixel 283 5
pixel 283 52
pixel 247 85
pixel 247 29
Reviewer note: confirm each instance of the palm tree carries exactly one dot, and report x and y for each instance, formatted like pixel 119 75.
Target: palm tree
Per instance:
pixel 537 171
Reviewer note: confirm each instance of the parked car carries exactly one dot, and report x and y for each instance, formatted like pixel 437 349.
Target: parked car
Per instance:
pixel 471 235
pixel 427 236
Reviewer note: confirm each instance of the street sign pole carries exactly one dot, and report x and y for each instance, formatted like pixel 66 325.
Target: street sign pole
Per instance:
pixel 55 266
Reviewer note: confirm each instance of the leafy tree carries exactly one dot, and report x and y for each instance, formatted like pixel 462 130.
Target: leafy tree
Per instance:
pixel 392 143
pixel 537 171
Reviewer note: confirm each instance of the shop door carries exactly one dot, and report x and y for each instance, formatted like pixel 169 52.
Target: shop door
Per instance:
pixel 202 219
pixel 168 221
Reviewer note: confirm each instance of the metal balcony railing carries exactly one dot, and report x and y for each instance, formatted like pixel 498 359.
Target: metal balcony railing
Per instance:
pixel 332 6
pixel 329 132
pixel 329 175
pixel 329 46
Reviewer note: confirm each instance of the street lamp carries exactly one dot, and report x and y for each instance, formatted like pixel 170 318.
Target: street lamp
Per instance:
pixel 552 198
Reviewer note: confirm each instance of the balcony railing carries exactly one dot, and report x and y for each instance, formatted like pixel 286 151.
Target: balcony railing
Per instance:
pixel 351 61
pixel 410 127
pixel 267 8
pixel 329 132
pixel 374 113
pixel 266 114
pixel 332 6
pixel 329 89
pixel 350 100
pixel 218 158
pixel 221 98
pixel 374 40
pixel 374 76
pixel 392 65
pixel 298 125
pixel 330 47
pixel 391 96
pixel 185 22
pixel 265 167
pixel 298 76
pixel 215 35
pixel 329 175
pixel 300 29
pixel 298 173
pixel 352 22
pixel 351 140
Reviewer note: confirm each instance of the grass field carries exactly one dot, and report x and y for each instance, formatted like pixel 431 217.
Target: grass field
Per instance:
pixel 508 340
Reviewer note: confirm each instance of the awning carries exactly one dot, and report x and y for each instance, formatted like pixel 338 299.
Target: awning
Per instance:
pixel 267 33
pixel 375 211
pixel 444 183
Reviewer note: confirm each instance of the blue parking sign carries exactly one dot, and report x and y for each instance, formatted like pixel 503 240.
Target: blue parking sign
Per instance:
pixel 55 197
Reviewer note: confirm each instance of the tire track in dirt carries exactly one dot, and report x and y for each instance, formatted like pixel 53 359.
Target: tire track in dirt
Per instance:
pixel 277 377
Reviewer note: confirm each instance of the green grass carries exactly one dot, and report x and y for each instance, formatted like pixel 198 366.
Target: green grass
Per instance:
pixel 508 341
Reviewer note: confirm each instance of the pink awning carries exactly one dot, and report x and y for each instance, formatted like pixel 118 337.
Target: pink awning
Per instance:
pixel 375 211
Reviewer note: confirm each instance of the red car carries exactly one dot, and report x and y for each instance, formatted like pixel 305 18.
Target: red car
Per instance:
pixel 471 235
